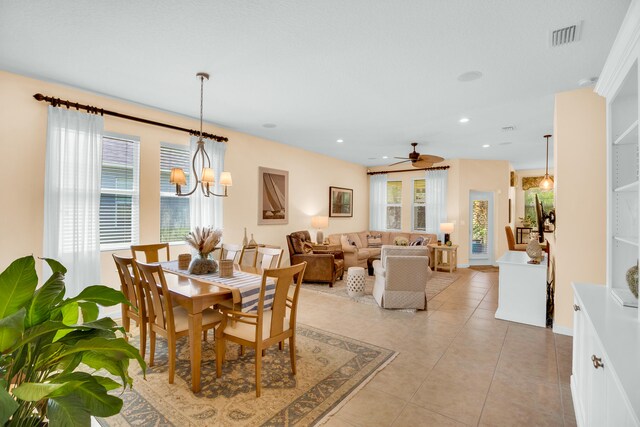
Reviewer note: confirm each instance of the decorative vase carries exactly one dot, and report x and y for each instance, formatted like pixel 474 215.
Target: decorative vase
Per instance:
pixel 202 264
pixel 632 280
pixel 534 250
pixel 252 243
pixel 245 242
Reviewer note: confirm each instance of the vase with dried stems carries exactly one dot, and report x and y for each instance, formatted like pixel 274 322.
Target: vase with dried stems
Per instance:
pixel 204 240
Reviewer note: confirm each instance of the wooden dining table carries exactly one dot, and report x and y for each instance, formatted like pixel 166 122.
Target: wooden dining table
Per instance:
pixel 196 295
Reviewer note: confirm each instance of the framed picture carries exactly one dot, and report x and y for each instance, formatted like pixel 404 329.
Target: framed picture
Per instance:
pixel 340 202
pixel 273 196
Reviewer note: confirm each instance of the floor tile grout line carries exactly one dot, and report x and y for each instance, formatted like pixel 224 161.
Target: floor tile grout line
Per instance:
pixel 495 370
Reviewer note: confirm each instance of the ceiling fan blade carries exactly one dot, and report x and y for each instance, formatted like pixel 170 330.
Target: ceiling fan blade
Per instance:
pixel 421 164
pixel 430 158
pixel 403 158
pixel 398 163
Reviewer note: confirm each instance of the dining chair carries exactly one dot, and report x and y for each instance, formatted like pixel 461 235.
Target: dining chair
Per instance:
pixel 269 258
pixel 266 327
pixel 232 252
pixel 151 252
pixel 511 241
pixel 132 289
pixel 166 320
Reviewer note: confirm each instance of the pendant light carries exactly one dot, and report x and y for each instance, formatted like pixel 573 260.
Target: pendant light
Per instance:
pixel 547 182
pixel 201 159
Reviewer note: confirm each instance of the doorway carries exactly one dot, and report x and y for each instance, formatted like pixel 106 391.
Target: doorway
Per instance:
pixel 481 228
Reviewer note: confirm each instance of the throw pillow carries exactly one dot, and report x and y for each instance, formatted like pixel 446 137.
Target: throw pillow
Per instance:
pixel 401 241
pixel 418 242
pixel 344 241
pixel 297 244
pixel 374 240
pixel 307 247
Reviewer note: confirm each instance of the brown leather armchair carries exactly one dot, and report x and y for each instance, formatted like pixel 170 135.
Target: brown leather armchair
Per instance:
pixel 322 266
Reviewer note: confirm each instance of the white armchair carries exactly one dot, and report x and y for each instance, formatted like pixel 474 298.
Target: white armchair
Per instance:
pixel 401 276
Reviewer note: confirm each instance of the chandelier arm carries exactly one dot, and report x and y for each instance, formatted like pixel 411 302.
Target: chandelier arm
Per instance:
pixel 195 174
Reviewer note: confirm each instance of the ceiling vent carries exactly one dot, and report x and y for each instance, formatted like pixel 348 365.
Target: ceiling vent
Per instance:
pixel 508 128
pixel 566 35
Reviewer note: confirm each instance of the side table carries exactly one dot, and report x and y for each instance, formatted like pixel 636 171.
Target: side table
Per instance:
pixel 451 256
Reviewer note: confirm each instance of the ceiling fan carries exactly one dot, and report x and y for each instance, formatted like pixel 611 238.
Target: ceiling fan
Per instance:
pixel 419 160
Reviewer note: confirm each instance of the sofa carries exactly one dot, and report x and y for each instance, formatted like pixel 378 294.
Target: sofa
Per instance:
pixel 357 250
pixel 322 266
pixel 401 277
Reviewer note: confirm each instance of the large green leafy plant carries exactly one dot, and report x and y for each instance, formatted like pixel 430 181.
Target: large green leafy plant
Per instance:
pixel 52 349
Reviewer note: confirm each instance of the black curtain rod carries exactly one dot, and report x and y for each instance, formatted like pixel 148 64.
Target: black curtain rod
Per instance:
pixel 57 102
pixel 435 168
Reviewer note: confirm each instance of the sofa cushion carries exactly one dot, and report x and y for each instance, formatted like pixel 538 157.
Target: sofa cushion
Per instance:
pixel 363 238
pixel 363 254
pixel 374 252
pixel 334 239
pixel 354 240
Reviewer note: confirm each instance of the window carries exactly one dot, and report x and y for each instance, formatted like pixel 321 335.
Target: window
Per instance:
pixel 174 210
pixel 419 205
pixel 394 205
pixel 119 192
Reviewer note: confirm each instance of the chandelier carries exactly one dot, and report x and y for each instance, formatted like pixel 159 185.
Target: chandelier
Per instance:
pixel 547 181
pixel 206 179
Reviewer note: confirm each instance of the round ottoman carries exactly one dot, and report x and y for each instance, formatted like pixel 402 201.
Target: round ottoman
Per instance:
pixel 355 281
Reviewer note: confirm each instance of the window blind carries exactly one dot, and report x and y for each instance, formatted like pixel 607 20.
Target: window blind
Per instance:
pixel 174 210
pixel 120 192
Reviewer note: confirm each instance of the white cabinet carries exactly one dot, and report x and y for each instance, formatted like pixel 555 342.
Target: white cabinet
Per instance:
pixel 606 350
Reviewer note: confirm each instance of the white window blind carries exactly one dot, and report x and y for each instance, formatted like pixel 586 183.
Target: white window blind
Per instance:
pixel 120 192
pixel 419 205
pixel 174 210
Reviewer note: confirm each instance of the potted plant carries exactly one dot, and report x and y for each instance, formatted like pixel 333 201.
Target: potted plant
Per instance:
pixel 53 349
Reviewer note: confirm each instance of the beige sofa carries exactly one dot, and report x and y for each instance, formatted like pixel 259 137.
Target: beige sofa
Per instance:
pixel 357 256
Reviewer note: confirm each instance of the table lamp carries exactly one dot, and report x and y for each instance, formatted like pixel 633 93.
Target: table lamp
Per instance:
pixel 319 223
pixel 447 229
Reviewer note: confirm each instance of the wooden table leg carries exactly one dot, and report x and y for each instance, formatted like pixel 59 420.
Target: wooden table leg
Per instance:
pixel 195 332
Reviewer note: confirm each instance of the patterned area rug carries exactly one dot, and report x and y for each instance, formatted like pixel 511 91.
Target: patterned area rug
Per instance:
pixel 330 368
pixel 438 282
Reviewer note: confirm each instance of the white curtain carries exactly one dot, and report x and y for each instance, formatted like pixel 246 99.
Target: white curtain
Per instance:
pixel 72 195
pixel 207 211
pixel 378 202
pixel 436 200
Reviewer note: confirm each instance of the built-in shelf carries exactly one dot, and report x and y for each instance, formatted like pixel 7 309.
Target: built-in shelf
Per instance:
pixel 627 137
pixel 629 187
pixel 627 239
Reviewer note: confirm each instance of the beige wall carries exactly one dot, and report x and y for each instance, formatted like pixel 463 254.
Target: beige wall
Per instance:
pixel 580 185
pixel 464 176
pixel 22 157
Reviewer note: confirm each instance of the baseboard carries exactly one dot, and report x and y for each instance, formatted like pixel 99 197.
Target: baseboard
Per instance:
pixel 562 330
pixel 463 265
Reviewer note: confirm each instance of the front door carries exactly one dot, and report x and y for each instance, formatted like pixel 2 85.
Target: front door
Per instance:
pixel 481 230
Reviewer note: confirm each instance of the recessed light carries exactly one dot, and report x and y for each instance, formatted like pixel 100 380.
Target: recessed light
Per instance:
pixel 587 82
pixel 339 141
pixel 486 146
pixel 464 120
pixel 269 125
pixel 385 157
pixel 469 76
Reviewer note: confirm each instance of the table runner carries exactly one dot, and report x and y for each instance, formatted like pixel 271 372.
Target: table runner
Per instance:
pixel 247 284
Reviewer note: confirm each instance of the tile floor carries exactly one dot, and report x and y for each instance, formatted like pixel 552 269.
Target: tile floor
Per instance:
pixel 457 364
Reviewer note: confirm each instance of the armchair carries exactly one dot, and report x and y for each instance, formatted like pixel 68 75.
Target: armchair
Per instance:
pixel 322 266
pixel 401 276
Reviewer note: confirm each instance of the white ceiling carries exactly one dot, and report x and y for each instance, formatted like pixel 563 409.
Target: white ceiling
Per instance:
pixel 376 73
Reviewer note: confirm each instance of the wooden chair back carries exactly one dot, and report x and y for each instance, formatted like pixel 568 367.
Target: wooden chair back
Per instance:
pixel 151 252
pixel 511 241
pixel 270 258
pixel 284 277
pixel 159 306
pixel 130 282
pixel 232 252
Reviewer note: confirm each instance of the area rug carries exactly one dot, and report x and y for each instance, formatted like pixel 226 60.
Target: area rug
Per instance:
pixel 485 268
pixel 437 283
pixel 330 368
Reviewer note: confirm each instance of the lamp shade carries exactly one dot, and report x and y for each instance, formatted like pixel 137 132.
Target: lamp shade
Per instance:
pixel 546 183
pixel 320 222
pixel 225 179
pixel 178 177
pixel 446 227
pixel 208 177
